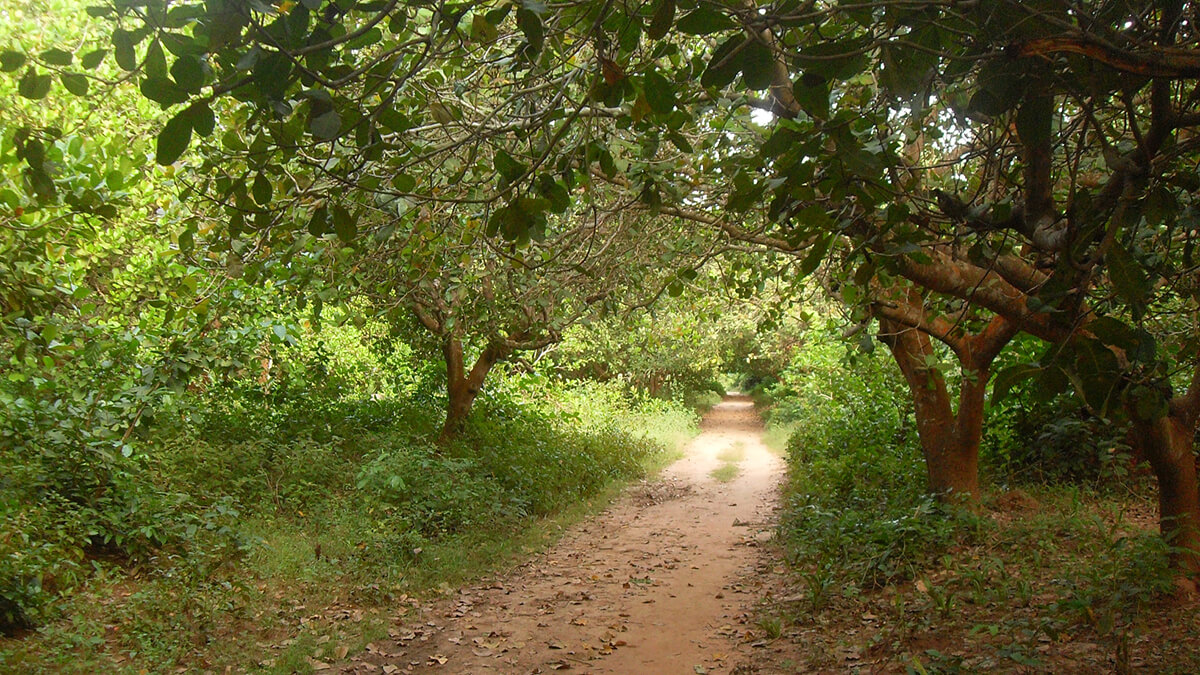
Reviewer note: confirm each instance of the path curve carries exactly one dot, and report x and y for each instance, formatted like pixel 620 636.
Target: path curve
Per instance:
pixel 654 584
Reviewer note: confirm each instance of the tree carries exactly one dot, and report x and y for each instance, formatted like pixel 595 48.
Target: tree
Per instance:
pixel 1067 126
pixel 482 302
pixel 1015 156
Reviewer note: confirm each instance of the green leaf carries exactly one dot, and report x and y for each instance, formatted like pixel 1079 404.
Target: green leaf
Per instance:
pixel 326 126
pixel 202 119
pixel 173 139
pixel 318 223
pixel 554 192
pixel 704 20
pixel 271 74
pixel 123 44
pixel 93 59
pixel 394 120
pixel 11 60
pixel 1005 380
pixel 75 83
pixel 531 25
pixel 162 91
pixel 1096 375
pixel 660 24
pixel 757 64
pixel 521 219
pixel 343 224
pixel 679 141
pixel 57 57
pixel 34 86
pixel 404 182
pixel 812 93
pixel 813 260
pixel 510 169
pixel 723 67
pixel 261 190
pixel 835 60
pixel 659 93
pixel 1127 276
pixel 483 30
pixel 188 73
pixel 43 185
pixel 155 63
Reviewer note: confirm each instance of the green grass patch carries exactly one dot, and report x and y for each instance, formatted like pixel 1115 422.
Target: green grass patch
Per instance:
pixel 725 472
pixel 734 453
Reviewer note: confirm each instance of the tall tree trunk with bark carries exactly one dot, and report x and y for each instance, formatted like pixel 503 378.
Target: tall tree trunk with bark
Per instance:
pixel 949 443
pixel 949 438
pixel 1168 443
pixel 463 386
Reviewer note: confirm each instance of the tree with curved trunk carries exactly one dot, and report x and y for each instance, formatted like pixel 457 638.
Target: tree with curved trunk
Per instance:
pixel 950 434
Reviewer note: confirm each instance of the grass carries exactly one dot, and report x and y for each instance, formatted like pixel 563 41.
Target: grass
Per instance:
pixel 734 453
pixel 730 457
pixel 725 473
pixel 776 436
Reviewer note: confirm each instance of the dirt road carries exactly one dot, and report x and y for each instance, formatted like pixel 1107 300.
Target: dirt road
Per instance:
pixel 655 584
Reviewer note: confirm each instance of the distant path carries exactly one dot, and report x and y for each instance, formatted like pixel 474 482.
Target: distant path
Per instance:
pixel 653 585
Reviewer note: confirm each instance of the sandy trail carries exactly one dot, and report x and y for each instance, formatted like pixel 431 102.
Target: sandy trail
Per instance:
pixel 652 585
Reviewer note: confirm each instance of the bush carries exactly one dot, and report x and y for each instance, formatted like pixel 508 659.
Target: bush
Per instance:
pixel 857 507
pixel 1049 442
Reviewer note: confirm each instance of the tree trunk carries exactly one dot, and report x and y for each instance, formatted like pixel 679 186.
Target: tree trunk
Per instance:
pixel 949 441
pixel 462 386
pixel 1167 443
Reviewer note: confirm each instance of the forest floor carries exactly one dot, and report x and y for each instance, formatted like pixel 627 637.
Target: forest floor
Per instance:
pixel 663 581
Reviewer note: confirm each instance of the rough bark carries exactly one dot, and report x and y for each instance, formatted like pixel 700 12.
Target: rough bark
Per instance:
pixel 949 437
pixel 1168 443
pixel 949 440
pixel 463 386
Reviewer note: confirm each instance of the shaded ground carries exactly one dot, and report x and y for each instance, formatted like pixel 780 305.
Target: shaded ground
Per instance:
pixel 664 581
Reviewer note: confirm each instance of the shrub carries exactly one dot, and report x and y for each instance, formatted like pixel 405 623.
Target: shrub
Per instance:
pixel 856 503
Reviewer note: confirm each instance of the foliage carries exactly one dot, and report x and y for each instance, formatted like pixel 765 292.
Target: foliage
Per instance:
pixel 857 514
pixel 330 432
pixel 1059 441
pixel 683 345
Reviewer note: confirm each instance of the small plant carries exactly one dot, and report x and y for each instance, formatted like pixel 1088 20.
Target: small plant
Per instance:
pixel 772 626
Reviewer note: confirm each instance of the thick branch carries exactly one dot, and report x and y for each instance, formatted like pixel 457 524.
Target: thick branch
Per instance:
pixel 1151 62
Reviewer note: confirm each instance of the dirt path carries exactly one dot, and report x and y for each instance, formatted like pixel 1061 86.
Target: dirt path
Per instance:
pixel 652 585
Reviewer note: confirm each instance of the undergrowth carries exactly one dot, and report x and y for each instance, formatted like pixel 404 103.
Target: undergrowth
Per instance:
pixel 1064 572
pixel 254 502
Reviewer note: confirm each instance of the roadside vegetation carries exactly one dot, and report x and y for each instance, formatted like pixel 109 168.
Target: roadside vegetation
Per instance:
pixel 262 501
pixel 1058 568
pixel 328 303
